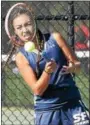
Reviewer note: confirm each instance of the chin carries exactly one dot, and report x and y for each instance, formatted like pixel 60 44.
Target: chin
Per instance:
pixel 29 39
pixel 26 39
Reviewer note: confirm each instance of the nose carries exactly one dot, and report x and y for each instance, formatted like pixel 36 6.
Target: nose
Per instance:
pixel 24 29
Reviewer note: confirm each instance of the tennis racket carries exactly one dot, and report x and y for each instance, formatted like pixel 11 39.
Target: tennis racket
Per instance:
pixel 12 37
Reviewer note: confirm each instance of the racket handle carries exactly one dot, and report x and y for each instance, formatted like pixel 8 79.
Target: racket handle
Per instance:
pixel 63 73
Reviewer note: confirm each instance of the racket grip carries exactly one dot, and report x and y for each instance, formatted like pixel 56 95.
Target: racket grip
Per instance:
pixel 63 73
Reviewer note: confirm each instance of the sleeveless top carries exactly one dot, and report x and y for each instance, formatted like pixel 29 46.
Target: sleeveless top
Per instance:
pixel 61 87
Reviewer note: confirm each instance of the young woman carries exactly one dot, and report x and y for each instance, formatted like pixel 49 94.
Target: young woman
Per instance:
pixel 56 97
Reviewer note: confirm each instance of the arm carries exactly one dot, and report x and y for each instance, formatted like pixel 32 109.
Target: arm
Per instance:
pixel 37 86
pixel 74 64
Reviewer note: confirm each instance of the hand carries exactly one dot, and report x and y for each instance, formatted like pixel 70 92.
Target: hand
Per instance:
pixel 68 69
pixel 50 67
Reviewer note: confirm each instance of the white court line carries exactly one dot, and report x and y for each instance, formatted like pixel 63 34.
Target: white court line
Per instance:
pixel 4 57
pixel 80 54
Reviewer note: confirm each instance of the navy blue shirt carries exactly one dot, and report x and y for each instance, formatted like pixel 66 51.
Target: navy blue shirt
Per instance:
pixel 61 87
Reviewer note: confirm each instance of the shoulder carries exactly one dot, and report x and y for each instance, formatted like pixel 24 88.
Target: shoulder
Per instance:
pixel 59 38
pixel 56 35
pixel 21 59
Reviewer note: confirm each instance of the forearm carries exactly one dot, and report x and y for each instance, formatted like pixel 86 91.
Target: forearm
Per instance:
pixel 42 83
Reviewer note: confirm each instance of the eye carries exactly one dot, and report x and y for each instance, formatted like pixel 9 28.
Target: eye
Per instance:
pixel 28 24
pixel 19 28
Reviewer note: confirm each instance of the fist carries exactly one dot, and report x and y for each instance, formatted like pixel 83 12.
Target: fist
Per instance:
pixel 50 66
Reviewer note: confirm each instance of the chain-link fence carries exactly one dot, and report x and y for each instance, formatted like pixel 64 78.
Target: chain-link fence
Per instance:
pixel 72 20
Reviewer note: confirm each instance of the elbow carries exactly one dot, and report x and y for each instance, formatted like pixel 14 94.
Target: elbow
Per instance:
pixel 39 88
pixel 78 70
pixel 37 91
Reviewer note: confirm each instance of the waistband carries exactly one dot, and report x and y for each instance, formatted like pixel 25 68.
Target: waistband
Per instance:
pixel 54 107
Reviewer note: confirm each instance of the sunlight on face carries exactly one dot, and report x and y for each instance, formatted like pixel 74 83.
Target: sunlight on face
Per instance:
pixel 23 27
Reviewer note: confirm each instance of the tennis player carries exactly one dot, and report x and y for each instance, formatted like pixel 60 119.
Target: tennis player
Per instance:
pixel 57 100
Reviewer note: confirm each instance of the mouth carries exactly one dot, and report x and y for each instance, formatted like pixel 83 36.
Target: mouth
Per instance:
pixel 28 36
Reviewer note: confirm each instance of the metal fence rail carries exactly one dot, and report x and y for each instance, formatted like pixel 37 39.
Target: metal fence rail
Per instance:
pixel 72 20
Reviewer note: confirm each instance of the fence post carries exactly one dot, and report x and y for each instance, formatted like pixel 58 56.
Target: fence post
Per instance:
pixel 71 24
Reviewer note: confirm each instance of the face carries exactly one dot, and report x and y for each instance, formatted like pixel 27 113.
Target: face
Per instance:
pixel 23 27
